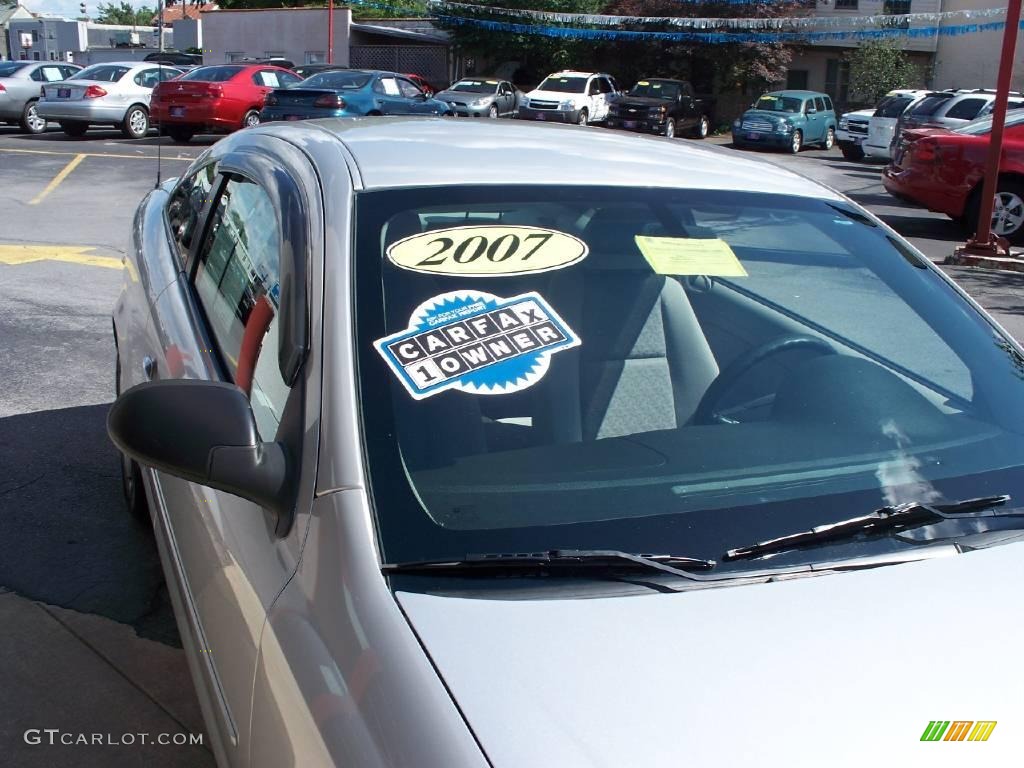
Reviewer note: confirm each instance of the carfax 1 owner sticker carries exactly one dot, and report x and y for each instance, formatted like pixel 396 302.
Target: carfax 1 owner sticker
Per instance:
pixel 474 341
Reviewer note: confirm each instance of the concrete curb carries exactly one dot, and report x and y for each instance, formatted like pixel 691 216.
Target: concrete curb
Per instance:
pixel 986 262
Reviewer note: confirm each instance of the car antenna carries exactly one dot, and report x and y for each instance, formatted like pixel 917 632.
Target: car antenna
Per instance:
pixel 160 80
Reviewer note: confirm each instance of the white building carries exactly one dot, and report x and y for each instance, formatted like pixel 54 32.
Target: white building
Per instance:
pixel 972 60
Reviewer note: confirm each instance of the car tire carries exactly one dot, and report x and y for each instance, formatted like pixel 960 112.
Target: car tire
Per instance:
pixel 180 135
pixel 75 130
pixel 136 123
pixel 374 113
pixel 797 142
pixel 30 121
pixel 132 487
pixel 1010 198
pixel 703 128
pixel 583 118
pixel 251 118
pixel 852 152
pixel 670 129
pixel 830 138
pixel 493 112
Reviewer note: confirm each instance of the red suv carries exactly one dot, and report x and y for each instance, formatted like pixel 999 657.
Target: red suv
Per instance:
pixel 215 99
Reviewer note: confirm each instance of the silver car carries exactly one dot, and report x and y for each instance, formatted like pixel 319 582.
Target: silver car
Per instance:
pixel 450 469
pixel 20 83
pixel 482 97
pixel 114 93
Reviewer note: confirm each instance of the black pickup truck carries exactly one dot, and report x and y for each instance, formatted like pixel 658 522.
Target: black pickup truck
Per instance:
pixel 661 106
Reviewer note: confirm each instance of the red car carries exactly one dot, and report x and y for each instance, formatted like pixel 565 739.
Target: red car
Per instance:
pixel 942 170
pixel 215 99
pixel 423 84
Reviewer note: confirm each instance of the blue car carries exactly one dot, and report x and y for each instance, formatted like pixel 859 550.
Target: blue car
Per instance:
pixel 350 93
pixel 788 120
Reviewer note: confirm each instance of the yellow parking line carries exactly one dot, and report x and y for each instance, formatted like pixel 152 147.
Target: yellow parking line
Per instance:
pixel 55 182
pixel 75 254
pixel 96 154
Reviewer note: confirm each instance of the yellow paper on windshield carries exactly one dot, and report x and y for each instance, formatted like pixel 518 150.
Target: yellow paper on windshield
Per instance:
pixel 690 256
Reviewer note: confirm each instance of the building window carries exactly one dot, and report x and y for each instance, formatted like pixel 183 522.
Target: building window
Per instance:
pixel 846 5
pixel 53 55
pixel 837 79
pixel 274 54
pixel 35 55
pixel 231 56
pixel 896 7
pixel 315 57
pixel 796 80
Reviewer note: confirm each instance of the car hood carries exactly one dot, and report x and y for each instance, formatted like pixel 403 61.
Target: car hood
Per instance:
pixel 772 116
pixel 642 101
pixel 555 96
pixel 841 669
pixel 865 113
pixel 466 97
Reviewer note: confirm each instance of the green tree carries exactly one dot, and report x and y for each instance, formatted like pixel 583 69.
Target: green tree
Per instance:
pixel 879 66
pixel 124 14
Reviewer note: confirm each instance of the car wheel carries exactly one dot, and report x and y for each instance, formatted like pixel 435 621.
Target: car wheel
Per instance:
pixel 852 152
pixel 131 474
pixel 583 118
pixel 181 135
pixel 703 128
pixel 1008 212
pixel 670 128
pixel 135 124
pixel 75 130
pixel 31 122
pixel 797 142
pixel 251 119
pixel 830 138
pixel 493 112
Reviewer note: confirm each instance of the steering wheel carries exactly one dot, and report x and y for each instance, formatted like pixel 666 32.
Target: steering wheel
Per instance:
pixel 726 379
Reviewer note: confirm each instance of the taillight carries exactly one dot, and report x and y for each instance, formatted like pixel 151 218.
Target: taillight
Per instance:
pixel 94 92
pixel 270 101
pixel 214 91
pixel 925 150
pixel 330 100
pixel 2 89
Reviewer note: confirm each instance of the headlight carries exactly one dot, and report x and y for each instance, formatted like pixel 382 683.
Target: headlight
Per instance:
pixel 736 123
pixel 658 110
pixel 565 105
pixel 525 102
pixel 843 122
pixel 783 127
pixel 480 103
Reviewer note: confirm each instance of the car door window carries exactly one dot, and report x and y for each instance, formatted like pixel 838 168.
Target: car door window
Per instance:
pixel 389 86
pixel 48 74
pixel 288 79
pixel 967 109
pixel 238 268
pixel 408 88
pixel 604 86
pixel 594 89
pixel 267 78
pixel 828 105
pixel 185 208
pixel 147 78
pixel 166 73
pixel 819 105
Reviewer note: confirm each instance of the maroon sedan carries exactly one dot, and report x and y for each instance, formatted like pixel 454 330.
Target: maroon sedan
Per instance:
pixel 216 99
pixel 943 171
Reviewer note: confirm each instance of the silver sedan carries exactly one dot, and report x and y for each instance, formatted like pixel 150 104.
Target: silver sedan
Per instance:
pixel 481 97
pixel 114 93
pixel 20 83
pixel 453 463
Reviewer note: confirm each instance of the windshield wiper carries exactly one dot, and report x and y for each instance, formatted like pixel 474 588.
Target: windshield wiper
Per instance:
pixel 562 559
pixel 897 517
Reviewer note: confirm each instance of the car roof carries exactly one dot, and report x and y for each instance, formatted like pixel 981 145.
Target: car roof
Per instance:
pixel 798 94
pixel 394 152
pixel 574 73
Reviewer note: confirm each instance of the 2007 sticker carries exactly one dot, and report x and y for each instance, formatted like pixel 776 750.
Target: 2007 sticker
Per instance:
pixel 477 343
pixel 487 251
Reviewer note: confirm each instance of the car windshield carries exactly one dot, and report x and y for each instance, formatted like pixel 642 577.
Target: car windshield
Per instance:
pixel 655 89
pixel 107 73
pixel 340 80
pixel 218 74
pixel 8 68
pixel 983 125
pixel 658 370
pixel 929 105
pixel 772 103
pixel 562 84
pixel 893 106
pixel 475 86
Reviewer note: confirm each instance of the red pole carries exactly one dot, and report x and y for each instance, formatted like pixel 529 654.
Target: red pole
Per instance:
pixel 984 238
pixel 330 34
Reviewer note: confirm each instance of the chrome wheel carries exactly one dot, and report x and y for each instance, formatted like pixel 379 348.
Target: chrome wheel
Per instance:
pixel 703 128
pixel 670 128
pixel 1007 214
pixel 796 142
pixel 493 111
pixel 251 119
pixel 830 138
pixel 32 122
pixel 136 123
pixel 582 119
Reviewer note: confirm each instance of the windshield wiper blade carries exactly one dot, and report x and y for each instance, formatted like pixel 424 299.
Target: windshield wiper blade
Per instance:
pixel 559 558
pixel 896 517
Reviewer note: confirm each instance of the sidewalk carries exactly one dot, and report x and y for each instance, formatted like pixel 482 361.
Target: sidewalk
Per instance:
pixel 91 679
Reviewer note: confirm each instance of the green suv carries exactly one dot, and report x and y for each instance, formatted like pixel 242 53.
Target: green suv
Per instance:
pixel 787 119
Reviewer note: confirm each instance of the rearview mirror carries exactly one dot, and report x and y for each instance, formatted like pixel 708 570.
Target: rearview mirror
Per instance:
pixel 203 432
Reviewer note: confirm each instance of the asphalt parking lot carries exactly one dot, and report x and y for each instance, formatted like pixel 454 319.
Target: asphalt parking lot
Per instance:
pixel 91 644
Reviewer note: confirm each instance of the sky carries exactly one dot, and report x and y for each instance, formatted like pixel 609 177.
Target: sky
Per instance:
pixel 69 8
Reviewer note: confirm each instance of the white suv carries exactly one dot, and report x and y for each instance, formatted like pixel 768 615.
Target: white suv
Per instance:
pixel 570 97
pixel 882 124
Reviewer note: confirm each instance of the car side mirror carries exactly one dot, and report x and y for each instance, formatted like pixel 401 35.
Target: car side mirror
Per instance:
pixel 203 432
pixel 811 110
pixel 421 96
